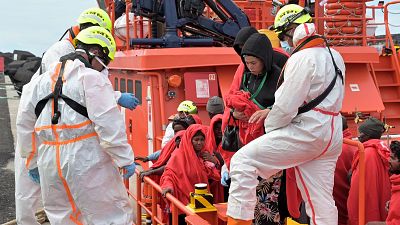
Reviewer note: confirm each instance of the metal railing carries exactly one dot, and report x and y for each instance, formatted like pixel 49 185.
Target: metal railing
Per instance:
pixel 176 206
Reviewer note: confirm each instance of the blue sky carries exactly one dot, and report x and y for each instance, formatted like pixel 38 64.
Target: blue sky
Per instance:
pixel 394 17
pixel 34 25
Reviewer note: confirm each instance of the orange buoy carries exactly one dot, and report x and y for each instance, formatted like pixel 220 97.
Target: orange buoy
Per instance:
pixel 344 12
pixel 337 18
pixel 343 5
pixel 344 30
pixel 345 42
pixel 348 23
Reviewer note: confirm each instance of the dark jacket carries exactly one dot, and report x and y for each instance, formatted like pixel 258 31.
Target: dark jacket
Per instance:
pixel 258 45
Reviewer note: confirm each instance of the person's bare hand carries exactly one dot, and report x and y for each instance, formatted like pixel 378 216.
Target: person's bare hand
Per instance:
pixel 206 155
pixel 141 158
pixel 259 116
pixel 145 173
pixel 240 116
pixel 165 191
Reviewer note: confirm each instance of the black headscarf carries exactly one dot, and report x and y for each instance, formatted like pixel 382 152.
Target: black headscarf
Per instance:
pixel 372 127
pixel 260 46
pixel 242 37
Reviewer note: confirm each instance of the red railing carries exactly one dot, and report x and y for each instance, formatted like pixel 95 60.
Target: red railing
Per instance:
pixel 151 209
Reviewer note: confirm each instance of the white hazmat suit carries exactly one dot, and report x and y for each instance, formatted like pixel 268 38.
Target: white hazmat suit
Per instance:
pixel 310 142
pixel 78 158
pixel 27 192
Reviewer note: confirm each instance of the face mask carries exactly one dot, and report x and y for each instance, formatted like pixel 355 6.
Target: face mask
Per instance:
pixel 285 46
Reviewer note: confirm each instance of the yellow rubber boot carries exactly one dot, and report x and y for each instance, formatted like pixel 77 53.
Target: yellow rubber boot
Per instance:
pixel 232 221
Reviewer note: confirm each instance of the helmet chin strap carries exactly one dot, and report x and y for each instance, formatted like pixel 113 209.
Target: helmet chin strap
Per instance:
pixel 90 55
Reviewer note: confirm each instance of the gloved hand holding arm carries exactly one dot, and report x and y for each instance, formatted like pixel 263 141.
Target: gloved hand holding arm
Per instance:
pixel 128 100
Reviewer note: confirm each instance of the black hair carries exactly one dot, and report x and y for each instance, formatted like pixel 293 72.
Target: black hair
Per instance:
pixel 184 121
pixel 395 148
pixel 199 132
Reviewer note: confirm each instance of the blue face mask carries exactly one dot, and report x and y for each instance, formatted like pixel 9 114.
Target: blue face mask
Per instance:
pixel 285 46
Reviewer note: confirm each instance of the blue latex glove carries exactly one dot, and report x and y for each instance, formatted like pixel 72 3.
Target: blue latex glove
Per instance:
pixel 130 170
pixel 128 100
pixel 224 179
pixel 34 175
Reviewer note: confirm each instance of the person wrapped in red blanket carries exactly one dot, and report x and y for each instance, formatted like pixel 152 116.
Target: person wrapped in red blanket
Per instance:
pixel 394 205
pixel 213 143
pixel 186 166
pixel 342 182
pixel 376 174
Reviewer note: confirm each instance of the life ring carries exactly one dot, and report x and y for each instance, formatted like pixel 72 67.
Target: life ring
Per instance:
pixel 344 30
pixel 345 42
pixel 339 18
pixel 348 23
pixel 343 5
pixel 354 12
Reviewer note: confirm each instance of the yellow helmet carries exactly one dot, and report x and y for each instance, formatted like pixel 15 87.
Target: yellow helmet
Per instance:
pixel 290 14
pixel 188 107
pixel 95 16
pixel 98 36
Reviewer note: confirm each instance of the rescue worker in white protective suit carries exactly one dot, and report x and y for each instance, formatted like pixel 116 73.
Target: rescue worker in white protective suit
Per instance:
pixel 310 142
pixel 69 126
pixel 27 192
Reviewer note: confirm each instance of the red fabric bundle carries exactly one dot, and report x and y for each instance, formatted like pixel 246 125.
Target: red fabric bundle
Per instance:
pixel 394 207
pixel 186 168
pixel 240 101
pixel 167 151
pixel 376 182
pixel 215 186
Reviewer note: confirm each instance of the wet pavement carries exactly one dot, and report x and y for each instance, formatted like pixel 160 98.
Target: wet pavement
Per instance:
pixel 8 106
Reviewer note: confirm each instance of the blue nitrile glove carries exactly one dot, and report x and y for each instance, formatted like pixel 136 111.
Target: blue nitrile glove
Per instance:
pixel 34 175
pixel 130 170
pixel 224 179
pixel 128 100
